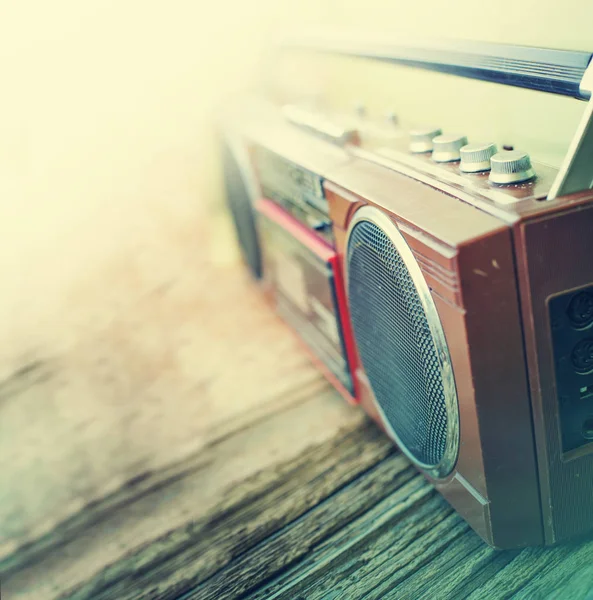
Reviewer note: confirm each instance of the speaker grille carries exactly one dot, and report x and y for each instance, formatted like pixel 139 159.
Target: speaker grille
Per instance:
pixel 240 206
pixel 397 347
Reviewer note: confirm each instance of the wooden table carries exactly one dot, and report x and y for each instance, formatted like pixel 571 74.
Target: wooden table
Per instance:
pixel 291 494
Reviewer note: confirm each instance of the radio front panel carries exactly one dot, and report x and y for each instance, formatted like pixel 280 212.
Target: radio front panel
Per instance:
pixel 303 277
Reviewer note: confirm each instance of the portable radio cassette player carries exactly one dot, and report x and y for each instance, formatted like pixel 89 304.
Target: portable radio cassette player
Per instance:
pixel 442 283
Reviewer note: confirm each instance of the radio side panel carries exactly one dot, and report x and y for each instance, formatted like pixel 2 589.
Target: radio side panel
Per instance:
pixel 555 262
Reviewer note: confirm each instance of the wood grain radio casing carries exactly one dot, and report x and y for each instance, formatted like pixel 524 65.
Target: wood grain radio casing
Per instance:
pixel 445 287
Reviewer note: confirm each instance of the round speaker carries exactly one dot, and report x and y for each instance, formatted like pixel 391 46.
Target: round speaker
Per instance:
pixel 401 343
pixel 239 200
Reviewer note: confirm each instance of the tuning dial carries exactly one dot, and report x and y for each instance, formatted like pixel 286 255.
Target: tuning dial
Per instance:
pixel 476 157
pixel 421 139
pixel 511 166
pixel 445 148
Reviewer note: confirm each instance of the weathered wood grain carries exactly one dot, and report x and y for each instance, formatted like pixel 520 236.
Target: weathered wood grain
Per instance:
pixel 249 515
pixel 349 518
pixel 142 383
pixel 303 535
pixel 315 415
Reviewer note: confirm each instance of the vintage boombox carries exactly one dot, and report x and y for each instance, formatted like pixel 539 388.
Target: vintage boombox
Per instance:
pixel 445 286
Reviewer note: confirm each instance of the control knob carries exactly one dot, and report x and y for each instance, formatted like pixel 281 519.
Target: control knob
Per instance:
pixel 511 166
pixel 475 158
pixel 421 139
pixel 445 148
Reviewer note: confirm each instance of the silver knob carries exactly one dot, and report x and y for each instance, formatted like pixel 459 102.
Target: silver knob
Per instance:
pixel 445 148
pixel 511 166
pixel 421 139
pixel 476 157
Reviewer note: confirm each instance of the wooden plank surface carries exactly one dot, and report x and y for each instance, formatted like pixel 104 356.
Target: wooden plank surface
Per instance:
pixel 192 425
pixel 348 517
pixel 291 495
pixel 135 391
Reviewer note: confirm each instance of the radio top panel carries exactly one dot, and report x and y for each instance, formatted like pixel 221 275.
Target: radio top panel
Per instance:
pixel 264 123
pixel 563 72
pixel 506 184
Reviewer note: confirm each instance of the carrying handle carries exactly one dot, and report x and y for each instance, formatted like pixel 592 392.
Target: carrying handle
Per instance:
pixel 576 172
pixel 542 69
pixel 564 72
